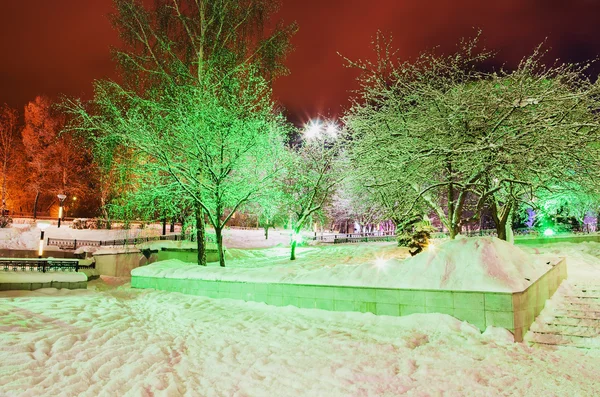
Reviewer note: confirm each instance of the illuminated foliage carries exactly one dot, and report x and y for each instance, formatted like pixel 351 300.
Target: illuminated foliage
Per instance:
pixel 195 109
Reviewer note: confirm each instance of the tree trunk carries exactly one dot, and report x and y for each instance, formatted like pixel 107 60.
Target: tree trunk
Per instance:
pixel 501 219
pixel 266 232
pixel 164 226
pixel 293 252
pixel 4 185
pixel 172 228
pixel 219 233
pixel 35 203
pixel 501 230
pixel 200 237
pixel 508 228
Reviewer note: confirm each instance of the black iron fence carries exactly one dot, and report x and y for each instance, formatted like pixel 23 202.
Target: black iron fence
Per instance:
pixel 73 244
pixel 355 237
pixel 43 265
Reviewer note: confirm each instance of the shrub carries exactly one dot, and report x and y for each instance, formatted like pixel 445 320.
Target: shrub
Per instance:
pixel 5 221
pixel 417 238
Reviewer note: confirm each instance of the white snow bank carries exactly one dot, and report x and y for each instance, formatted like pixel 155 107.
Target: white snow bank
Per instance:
pixel 479 263
pixel 160 244
pixel 474 264
pixel 116 250
pixel 583 259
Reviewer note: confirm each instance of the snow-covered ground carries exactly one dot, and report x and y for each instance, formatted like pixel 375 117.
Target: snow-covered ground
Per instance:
pixel 123 342
pixel 111 340
pixel 27 235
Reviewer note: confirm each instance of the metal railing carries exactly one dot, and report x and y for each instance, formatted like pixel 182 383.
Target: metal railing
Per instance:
pixel 43 265
pixel 73 244
pixel 364 239
pixel 354 237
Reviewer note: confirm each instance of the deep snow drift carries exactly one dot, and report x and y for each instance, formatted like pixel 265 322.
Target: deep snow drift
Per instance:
pixel 475 264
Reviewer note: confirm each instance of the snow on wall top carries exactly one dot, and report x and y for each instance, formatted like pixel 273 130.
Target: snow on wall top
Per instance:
pixel 481 263
pixel 473 264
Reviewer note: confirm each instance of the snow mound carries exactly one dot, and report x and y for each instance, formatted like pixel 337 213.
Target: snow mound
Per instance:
pixel 473 264
pixel 478 263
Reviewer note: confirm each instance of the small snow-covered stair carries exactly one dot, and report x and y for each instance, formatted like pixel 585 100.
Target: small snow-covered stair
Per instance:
pixel 570 318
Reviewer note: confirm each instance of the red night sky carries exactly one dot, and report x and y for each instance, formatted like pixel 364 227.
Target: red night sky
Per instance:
pixel 61 46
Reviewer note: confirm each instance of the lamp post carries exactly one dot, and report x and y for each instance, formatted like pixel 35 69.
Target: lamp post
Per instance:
pixel 42 225
pixel 61 198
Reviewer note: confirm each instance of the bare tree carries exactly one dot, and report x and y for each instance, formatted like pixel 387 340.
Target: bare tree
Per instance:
pixel 8 140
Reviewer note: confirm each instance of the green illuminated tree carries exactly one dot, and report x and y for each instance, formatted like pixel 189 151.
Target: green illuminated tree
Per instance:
pixel 195 107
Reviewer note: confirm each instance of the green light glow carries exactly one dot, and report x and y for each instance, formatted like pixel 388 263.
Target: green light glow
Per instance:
pixel 297 238
pixel 548 232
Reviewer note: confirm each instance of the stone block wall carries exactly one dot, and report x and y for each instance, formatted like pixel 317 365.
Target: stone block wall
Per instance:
pixel 34 286
pixel 513 311
pixel 119 264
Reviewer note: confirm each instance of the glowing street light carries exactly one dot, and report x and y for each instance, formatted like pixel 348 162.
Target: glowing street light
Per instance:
pixel 313 129
pixel 316 128
pixel 42 225
pixel 61 198
pixel 332 129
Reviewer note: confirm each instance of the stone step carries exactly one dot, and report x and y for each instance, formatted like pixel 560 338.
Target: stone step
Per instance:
pixel 562 324
pixel 586 297
pixel 577 313
pixel 579 305
pixel 579 334
pixel 587 288
pixel 564 340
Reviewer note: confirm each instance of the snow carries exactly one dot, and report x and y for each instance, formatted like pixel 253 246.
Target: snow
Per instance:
pixel 119 341
pixel 583 265
pixel 113 340
pixel 474 264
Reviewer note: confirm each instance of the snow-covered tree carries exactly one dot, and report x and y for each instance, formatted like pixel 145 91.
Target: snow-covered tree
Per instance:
pixel 445 132
pixel 8 140
pixel 313 170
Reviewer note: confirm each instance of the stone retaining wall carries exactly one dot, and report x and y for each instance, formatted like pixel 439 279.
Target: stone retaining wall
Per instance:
pixel 34 286
pixel 513 311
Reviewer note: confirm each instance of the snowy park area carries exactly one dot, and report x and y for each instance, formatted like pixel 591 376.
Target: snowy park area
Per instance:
pixel 115 340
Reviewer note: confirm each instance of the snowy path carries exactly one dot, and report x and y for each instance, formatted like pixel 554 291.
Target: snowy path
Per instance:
pixel 123 342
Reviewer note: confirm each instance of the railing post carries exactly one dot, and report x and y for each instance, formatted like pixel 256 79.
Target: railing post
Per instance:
pixel 75 244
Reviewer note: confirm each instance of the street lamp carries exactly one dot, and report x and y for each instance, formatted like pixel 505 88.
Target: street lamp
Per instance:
pixel 61 198
pixel 316 129
pixel 42 225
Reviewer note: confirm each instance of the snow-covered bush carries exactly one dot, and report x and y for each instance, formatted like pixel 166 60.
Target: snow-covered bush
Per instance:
pixel 417 238
pixel 84 223
pixel 5 221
